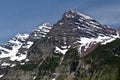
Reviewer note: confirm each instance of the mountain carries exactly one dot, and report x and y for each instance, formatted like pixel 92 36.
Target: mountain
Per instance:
pixel 72 49
pixel 72 37
pixel 77 29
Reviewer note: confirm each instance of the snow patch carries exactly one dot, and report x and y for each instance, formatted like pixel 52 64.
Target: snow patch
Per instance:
pixel 18 58
pixel 58 50
pixel 53 79
pixel 4 64
pixel 60 23
pixel 22 63
pixel 64 47
pixel 22 36
pixel 1 75
pixel 27 60
pixel 85 16
pixel 34 77
pixel 13 65
pixel 112 39
pixel 28 45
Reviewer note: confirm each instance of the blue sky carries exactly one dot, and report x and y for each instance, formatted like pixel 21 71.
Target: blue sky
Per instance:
pixel 22 16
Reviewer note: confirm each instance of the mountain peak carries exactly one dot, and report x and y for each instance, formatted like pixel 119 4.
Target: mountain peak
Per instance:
pixel 46 24
pixel 73 13
pixel 18 35
pixel 41 31
pixel 70 14
pixel 75 25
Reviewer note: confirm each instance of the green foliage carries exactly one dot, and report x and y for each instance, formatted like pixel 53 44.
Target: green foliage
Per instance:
pixel 71 55
pixel 48 66
pixel 62 77
pixel 66 66
pixel 28 67
pixel 105 54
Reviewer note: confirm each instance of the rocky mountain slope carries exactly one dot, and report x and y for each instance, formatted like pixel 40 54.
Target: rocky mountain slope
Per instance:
pixel 10 48
pixel 15 50
pixel 75 27
pixel 72 49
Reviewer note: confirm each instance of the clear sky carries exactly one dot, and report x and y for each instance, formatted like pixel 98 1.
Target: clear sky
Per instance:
pixel 22 16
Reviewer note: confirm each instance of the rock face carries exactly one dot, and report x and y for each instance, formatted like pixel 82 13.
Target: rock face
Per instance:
pixel 57 52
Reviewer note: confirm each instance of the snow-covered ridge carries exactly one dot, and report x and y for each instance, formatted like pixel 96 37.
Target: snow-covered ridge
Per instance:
pixel 10 48
pixel 85 16
pixel 22 37
pixel 71 14
pixel 41 31
pixel 87 42
pixel 84 30
pixel 43 27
